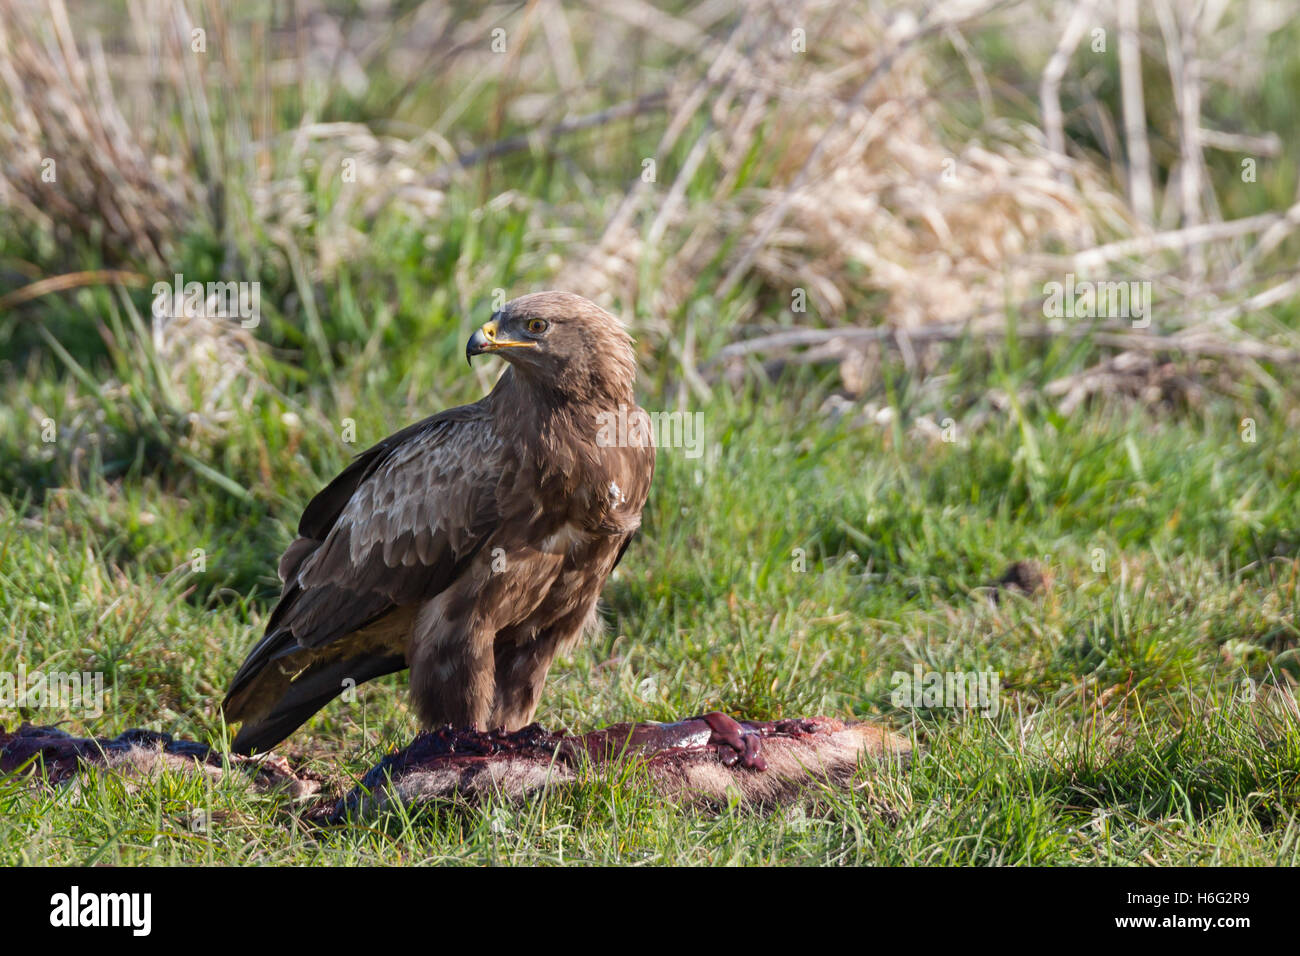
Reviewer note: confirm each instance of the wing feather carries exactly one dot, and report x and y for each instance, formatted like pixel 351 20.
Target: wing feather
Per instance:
pixel 391 529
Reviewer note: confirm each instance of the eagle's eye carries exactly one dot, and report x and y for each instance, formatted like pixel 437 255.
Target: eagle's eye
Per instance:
pixel 537 326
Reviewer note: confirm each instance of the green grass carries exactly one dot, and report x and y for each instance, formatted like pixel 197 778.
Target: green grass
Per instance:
pixel 1123 734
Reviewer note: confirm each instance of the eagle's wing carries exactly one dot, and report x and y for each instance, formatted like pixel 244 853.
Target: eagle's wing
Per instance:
pixel 392 530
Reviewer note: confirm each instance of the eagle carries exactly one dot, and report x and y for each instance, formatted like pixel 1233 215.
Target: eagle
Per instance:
pixel 470 547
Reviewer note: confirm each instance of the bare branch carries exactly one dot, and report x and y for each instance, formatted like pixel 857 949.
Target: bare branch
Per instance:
pixel 1049 89
pixel 1135 114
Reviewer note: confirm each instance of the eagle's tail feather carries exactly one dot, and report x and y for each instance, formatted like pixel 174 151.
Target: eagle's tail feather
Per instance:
pixel 274 703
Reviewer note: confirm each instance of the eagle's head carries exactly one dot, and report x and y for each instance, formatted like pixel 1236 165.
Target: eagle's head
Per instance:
pixel 562 344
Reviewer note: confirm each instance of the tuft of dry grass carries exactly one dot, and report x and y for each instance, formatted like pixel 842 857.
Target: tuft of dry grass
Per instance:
pixel 73 163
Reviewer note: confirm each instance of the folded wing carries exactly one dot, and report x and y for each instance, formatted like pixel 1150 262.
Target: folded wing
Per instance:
pixel 391 531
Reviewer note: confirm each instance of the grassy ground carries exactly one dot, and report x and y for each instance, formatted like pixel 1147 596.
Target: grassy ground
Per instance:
pixel 1124 733
pixel 1147 711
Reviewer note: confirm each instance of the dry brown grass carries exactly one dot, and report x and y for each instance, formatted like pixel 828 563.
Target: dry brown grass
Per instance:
pixel 74 164
pixel 835 171
pixel 867 201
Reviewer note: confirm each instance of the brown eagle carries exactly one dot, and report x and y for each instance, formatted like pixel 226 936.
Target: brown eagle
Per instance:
pixel 470 547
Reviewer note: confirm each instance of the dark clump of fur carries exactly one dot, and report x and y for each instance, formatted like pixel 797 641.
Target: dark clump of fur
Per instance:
pixel 1022 577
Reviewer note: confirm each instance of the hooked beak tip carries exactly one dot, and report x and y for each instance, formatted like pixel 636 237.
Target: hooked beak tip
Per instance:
pixel 478 344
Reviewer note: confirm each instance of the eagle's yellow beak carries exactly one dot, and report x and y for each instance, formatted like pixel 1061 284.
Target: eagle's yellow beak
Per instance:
pixel 488 339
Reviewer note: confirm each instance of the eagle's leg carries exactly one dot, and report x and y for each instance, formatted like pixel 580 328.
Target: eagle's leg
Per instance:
pixel 520 674
pixel 728 732
pixel 524 655
pixel 452 671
